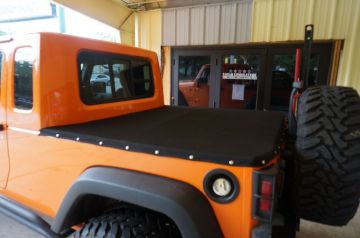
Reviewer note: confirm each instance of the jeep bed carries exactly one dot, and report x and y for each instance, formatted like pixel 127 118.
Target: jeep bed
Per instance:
pixel 241 138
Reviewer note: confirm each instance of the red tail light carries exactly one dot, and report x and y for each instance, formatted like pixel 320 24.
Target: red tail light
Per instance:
pixel 266 188
pixel 265 205
pixel 263 194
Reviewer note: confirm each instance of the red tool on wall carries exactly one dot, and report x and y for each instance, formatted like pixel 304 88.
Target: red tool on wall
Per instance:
pixel 302 62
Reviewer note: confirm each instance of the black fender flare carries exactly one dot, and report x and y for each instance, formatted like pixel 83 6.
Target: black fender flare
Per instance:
pixel 183 203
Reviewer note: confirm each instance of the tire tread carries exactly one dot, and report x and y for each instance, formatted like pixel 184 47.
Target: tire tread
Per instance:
pixel 328 155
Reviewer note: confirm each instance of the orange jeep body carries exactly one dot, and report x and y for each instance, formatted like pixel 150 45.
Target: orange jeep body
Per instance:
pixel 38 171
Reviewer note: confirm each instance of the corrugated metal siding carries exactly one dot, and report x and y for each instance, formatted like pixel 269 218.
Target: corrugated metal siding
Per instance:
pixel 148 30
pixel 212 25
pixel 275 20
pixel 244 13
pixel 225 23
pixel 284 20
pixel 228 23
pixel 169 27
pixel 182 26
pixel 197 30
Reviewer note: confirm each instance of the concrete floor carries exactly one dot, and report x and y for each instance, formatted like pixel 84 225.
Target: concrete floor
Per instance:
pixel 11 229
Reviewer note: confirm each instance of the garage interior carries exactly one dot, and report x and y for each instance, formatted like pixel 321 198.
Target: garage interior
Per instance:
pixel 201 39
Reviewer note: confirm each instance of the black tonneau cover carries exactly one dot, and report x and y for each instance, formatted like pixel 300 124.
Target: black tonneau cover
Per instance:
pixel 244 137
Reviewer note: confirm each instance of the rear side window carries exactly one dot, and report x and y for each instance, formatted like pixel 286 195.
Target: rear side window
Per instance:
pixel 23 78
pixel 110 77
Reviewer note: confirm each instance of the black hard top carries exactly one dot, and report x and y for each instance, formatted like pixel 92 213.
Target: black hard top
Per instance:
pixel 213 135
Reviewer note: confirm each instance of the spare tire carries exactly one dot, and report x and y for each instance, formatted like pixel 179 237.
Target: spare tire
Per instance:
pixel 328 155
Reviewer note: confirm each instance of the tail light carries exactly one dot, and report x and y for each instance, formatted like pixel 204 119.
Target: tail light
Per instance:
pixel 264 183
pixel 266 187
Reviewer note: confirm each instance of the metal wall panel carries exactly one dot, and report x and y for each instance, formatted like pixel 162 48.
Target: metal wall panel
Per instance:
pixel 169 27
pixel 228 22
pixel 279 20
pixel 243 22
pixel 225 23
pixel 197 25
pixel 182 26
pixel 148 32
pixel 212 25
pixel 284 20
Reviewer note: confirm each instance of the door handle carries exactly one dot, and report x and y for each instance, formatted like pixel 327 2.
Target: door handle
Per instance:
pixel 2 127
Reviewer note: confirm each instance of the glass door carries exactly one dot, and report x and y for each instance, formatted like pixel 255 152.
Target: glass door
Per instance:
pixel 239 80
pixel 218 78
pixel 253 77
pixel 280 73
pixel 194 81
pixel 193 78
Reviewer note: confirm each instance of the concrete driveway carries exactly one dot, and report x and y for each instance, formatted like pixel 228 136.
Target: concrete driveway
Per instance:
pixel 11 229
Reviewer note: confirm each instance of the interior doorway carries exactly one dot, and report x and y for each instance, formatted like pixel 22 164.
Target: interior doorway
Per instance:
pixel 245 77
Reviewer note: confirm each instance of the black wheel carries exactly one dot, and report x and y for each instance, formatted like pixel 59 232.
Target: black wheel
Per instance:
pixel 128 221
pixel 328 155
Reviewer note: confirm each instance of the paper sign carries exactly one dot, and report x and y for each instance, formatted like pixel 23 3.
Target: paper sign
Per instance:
pixel 238 91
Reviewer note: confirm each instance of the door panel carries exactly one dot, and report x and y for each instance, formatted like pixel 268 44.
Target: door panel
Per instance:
pixel 4 159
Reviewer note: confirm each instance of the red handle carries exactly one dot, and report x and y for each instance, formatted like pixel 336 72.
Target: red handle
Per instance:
pixel 297 65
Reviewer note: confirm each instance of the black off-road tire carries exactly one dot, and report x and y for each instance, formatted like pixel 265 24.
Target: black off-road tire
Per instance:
pixel 127 221
pixel 328 155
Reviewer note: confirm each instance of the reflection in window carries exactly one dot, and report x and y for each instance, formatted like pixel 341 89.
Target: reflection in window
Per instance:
pixel 109 78
pixel 282 77
pixel 194 80
pixel 239 81
pixel 23 78
pixel 190 66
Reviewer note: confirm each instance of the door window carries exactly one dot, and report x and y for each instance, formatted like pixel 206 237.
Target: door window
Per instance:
pixel 282 76
pixel 23 78
pixel 239 81
pixel 194 81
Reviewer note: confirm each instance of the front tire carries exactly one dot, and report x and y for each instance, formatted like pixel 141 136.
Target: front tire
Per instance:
pixel 328 155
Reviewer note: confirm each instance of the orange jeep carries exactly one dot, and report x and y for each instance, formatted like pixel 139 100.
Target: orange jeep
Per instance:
pixel 88 149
